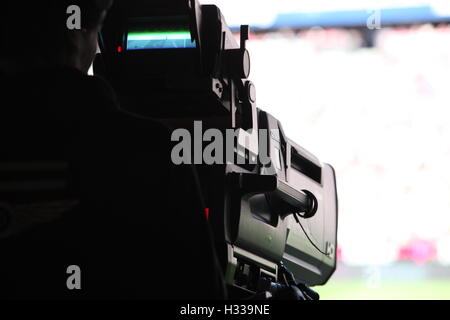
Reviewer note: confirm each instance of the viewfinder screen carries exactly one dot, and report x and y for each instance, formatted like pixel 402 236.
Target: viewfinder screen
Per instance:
pixel 160 33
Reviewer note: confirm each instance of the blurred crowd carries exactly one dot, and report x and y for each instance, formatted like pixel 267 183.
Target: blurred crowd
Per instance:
pixel 379 112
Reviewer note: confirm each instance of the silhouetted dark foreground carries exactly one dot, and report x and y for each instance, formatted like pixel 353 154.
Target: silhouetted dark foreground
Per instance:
pixel 84 184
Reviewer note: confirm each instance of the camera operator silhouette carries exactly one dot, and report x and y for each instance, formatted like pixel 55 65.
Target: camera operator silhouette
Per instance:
pixel 83 183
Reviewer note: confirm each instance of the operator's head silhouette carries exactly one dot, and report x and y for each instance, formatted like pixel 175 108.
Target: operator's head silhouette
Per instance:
pixel 46 33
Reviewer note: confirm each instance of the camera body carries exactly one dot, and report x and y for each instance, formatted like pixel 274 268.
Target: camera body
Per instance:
pixel 178 61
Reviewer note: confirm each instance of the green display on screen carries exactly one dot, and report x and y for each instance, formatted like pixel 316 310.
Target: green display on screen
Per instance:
pixel 148 40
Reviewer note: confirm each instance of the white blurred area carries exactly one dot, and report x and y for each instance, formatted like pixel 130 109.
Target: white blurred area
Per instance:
pixel 381 117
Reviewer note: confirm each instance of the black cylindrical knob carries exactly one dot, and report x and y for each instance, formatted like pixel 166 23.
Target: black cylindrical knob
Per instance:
pixel 238 63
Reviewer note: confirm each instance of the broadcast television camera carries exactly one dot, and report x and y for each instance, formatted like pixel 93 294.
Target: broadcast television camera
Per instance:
pixel 178 61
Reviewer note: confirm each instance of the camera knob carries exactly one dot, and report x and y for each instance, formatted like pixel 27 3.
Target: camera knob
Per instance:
pixel 238 63
pixel 250 91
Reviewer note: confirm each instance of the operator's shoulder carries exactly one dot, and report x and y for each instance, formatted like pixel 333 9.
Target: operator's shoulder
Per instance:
pixel 78 89
pixel 100 86
pixel 99 95
pixel 98 91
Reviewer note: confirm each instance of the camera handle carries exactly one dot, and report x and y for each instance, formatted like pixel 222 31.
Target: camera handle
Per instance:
pixel 283 198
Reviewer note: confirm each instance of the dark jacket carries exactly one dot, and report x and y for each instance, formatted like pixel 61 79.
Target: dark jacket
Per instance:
pixel 91 186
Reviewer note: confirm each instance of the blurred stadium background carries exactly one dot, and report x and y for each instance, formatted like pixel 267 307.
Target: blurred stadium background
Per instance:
pixel 365 85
